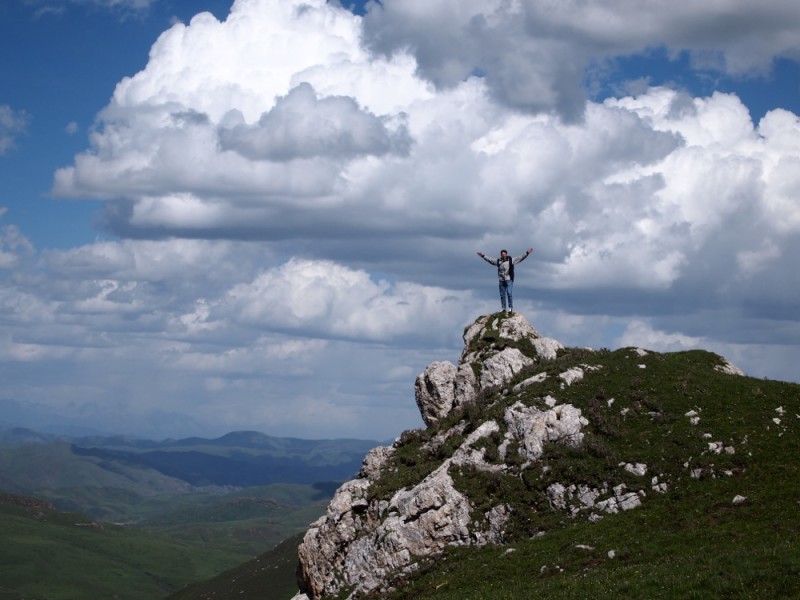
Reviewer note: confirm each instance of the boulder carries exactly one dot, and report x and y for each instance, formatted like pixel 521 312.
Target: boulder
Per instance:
pixel 502 367
pixel 443 386
pixel 534 427
pixel 434 391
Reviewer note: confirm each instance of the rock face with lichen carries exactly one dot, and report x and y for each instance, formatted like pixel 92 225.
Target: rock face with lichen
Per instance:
pixel 363 540
pixel 486 362
pixel 491 416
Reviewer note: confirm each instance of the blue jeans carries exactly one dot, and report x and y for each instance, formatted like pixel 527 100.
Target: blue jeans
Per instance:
pixel 506 288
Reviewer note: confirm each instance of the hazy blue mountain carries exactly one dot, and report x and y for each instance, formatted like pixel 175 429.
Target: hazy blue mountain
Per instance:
pixel 243 458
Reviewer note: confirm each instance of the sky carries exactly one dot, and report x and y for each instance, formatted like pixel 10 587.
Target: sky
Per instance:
pixel 264 214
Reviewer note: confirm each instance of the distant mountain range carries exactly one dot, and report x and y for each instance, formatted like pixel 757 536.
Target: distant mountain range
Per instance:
pixel 210 504
pixel 242 459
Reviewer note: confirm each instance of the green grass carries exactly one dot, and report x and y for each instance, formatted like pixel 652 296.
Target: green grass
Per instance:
pixel 51 554
pixel 242 522
pixel 691 542
pixel 270 576
pixel 714 551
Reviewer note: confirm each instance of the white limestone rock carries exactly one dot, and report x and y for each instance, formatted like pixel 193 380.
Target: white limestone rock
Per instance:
pixel 570 376
pixel 658 486
pixel 509 329
pixel 497 517
pixel 502 367
pixel 361 540
pixel 468 456
pixel 516 327
pixel 576 499
pixel 538 378
pixel 374 461
pixel 563 498
pixel 547 348
pixel 729 368
pixel 639 469
pixel 620 501
pixel 466 386
pixel 534 427
pixel 443 386
pixel 434 391
pixel 359 543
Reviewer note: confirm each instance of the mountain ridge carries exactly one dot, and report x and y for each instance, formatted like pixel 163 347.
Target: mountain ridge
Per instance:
pixel 64 470
pixel 526 439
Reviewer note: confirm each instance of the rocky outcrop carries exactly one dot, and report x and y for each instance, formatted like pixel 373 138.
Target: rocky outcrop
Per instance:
pixel 359 543
pixel 503 445
pixel 533 427
pixel 489 359
pixel 363 539
pixel 443 387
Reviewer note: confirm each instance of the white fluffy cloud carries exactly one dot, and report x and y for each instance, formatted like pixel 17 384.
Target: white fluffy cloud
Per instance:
pixel 215 330
pixel 301 192
pixel 12 124
pixel 534 54
pixel 277 124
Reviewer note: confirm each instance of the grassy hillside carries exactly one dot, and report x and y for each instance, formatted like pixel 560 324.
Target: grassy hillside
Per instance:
pixel 267 577
pixel 30 463
pixel 693 541
pixel 726 526
pixel 174 532
pixel 246 522
pixel 209 492
pixel 47 553
pixel 33 467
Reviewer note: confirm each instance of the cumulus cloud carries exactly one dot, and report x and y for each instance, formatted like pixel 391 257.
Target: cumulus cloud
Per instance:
pixel 301 125
pixel 289 134
pixel 641 334
pixel 14 246
pixel 330 299
pixel 301 191
pixel 214 327
pixel 12 124
pixel 534 54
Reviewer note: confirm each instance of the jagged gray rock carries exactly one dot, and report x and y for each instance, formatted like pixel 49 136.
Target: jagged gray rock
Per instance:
pixel 729 368
pixel 358 543
pixel 361 540
pixel 577 498
pixel 502 367
pixel 443 386
pixel 534 427
pixel 374 461
pixel 503 330
pixel 434 391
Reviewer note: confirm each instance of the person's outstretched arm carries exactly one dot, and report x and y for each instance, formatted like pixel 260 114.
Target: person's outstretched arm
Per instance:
pixel 491 261
pixel 522 257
